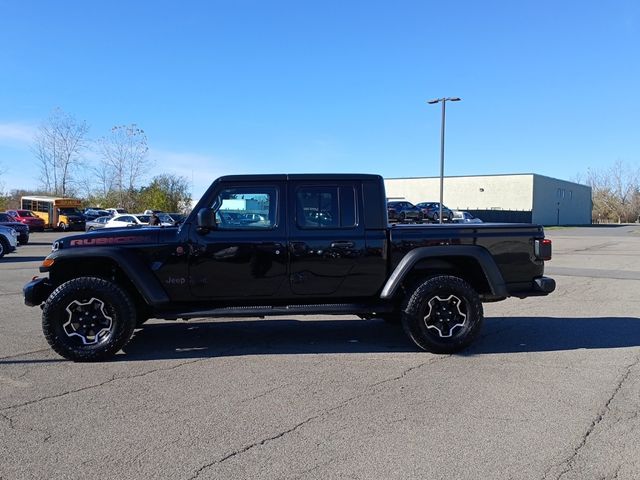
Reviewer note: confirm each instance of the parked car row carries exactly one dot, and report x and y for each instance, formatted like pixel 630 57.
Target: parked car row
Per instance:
pixel 134 220
pixel 91 218
pixel 402 211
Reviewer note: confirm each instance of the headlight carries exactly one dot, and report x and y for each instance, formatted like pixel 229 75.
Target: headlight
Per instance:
pixel 14 233
pixel 56 246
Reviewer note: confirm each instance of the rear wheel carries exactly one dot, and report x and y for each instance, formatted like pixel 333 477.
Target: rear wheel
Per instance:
pixel 88 319
pixel 401 217
pixel 443 314
pixel 63 226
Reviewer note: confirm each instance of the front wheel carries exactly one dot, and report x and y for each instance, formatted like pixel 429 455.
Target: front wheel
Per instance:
pixel 88 319
pixel 443 314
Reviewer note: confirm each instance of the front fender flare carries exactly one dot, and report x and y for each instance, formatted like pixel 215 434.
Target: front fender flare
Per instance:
pixel 482 256
pixel 134 268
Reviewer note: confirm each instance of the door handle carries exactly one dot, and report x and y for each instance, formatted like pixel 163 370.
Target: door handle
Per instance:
pixel 298 248
pixel 342 244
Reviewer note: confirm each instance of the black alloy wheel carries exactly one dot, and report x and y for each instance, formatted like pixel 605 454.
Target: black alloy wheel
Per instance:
pixel 442 314
pixel 88 319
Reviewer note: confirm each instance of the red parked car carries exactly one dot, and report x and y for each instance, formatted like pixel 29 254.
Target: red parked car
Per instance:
pixel 28 218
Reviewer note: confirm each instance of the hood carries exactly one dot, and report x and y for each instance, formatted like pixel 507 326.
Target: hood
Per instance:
pixel 114 237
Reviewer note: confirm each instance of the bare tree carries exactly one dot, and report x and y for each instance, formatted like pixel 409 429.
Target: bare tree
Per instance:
pixel 124 160
pixel 615 193
pixel 58 146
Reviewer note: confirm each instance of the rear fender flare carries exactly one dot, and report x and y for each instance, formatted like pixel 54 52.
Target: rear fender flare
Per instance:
pixel 482 256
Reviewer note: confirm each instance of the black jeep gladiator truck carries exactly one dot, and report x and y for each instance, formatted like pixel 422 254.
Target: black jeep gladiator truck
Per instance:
pixel 261 245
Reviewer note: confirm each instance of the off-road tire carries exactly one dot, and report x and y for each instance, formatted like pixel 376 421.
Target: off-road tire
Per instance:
pixel 459 305
pixel 117 308
pixel 4 246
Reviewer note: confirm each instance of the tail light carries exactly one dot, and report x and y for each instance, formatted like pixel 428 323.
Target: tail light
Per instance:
pixel 542 249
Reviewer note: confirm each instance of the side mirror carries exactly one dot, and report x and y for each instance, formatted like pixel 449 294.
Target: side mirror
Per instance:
pixel 206 219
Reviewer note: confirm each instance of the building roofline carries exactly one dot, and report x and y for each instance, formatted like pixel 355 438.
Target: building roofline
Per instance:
pixel 491 175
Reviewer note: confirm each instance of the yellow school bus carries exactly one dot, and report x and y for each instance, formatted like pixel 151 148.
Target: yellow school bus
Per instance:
pixel 61 213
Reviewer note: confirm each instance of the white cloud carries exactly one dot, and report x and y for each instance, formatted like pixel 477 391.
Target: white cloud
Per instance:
pixel 16 133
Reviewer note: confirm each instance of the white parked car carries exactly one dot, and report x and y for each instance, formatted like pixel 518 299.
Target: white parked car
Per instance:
pixel 127 220
pixel 115 211
pixel 464 217
pixel 8 240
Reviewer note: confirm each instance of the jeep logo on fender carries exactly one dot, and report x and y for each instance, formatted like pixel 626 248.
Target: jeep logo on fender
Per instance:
pixel 89 242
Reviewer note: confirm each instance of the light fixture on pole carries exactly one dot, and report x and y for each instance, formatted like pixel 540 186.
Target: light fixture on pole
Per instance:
pixel 443 101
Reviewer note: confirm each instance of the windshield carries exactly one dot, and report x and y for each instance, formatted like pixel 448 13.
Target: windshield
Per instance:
pixel 25 213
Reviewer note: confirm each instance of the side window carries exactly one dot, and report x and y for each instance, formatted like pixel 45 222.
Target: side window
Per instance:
pixel 325 207
pixel 246 208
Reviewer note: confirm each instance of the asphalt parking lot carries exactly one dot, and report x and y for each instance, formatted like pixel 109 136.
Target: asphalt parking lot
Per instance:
pixel 551 390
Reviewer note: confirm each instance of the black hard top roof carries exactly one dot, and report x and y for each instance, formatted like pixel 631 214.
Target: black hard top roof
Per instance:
pixel 300 176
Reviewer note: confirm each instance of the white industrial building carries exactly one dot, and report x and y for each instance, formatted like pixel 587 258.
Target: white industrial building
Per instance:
pixel 549 201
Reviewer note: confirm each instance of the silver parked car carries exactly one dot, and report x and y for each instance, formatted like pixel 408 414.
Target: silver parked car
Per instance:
pixel 8 240
pixel 97 223
pixel 464 217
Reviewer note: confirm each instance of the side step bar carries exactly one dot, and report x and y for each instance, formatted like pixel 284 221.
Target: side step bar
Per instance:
pixel 266 311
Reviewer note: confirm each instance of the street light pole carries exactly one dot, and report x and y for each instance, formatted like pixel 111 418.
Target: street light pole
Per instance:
pixel 444 102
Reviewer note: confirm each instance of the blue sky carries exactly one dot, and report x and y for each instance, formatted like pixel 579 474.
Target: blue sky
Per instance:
pixel 225 87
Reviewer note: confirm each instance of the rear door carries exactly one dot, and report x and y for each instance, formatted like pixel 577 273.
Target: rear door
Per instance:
pixel 326 238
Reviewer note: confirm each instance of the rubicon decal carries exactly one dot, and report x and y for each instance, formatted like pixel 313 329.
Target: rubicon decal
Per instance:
pixel 89 242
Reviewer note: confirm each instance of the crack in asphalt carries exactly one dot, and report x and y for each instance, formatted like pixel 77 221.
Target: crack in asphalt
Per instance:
pixel 9 420
pixel 569 463
pixel 265 393
pixel 23 354
pixel 369 389
pixel 113 378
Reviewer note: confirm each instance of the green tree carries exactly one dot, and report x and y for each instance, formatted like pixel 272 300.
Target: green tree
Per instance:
pixel 167 192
